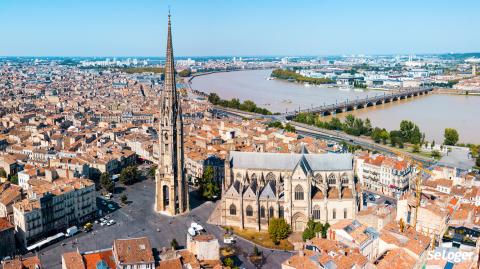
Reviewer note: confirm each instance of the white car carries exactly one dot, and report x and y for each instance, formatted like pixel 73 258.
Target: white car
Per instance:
pixel 377 196
pixel 111 222
pixel 229 240
pixel 102 223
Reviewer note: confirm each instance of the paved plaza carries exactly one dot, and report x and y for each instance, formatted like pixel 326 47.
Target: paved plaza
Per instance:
pixel 138 218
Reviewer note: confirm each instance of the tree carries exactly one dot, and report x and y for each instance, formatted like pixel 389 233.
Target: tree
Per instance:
pixel 185 72
pixel 214 98
pixel 123 198
pixel 278 229
pixel 368 127
pixel 3 173
pixel 129 175
pixel 275 124
pixel 106 182
pixel 410 132
pixel 228 262
pixel 325 228
pixel 375 135
pixel 312 229
pixel 477 162
pixel 451 137
pixel 289 128
pixel 151 171
pixel 14 179
pixel 208 187
pixel 433 144
pixel 436 154
pixel 174 244
pixel 384 135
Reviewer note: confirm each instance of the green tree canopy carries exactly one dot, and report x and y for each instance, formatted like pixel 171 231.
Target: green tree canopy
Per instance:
pixel 106 182
pixel 129 175
pixel 14 179
pixel 209 189
pixel 451 136
pixel 3 173
pixel 185 72
pixel 278 229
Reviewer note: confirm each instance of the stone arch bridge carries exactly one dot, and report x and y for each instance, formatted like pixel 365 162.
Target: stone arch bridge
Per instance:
pixel 351 105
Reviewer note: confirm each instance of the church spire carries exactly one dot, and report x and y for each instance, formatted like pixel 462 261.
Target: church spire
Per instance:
pixel 171 186
pixel 170 84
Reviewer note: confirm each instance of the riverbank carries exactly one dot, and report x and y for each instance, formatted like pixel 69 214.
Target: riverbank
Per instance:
pixel 434 112
pixel 455 91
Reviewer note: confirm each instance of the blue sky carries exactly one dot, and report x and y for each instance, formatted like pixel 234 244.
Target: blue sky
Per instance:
pixel 237 27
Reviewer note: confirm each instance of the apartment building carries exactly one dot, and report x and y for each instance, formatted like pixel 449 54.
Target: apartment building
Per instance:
pixel 381 174
pixel 53 206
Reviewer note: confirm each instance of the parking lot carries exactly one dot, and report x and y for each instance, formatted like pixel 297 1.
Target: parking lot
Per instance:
pixel 371 198
pixel 137 218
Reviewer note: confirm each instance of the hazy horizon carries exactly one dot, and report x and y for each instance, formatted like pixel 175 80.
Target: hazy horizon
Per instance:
pixel 234 28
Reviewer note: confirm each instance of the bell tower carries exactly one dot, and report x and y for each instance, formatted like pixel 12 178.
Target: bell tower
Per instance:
pixel 171 194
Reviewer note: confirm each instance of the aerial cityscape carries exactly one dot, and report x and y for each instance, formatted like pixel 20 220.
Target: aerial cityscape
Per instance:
pixel 239 134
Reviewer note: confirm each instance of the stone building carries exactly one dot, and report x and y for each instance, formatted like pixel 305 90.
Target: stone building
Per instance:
pixel 53 206
pixel 294 186
pixel 171 194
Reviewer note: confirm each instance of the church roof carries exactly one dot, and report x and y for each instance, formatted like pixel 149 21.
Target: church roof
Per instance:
pixel 288 161
pixel 269 191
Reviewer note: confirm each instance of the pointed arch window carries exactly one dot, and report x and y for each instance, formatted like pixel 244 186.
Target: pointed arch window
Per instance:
pixel 270 177
pixel 249 211
pixel 262 212
pixel 299 195
pixel 332 180
pixel 271 212
pixel 233 210
pixel 281 212
pixel 345 213
pixel 345 179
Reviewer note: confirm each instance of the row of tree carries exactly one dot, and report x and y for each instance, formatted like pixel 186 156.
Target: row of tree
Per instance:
pixel 409 132
pixel 235 103
pixel 313 228
pixel 128 176
pixel 292 75
pixel 279 125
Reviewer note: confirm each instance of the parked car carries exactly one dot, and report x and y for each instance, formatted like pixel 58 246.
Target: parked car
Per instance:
pixel 229 240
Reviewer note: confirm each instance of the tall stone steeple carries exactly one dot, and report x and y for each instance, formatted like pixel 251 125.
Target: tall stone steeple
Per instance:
pixel 171 195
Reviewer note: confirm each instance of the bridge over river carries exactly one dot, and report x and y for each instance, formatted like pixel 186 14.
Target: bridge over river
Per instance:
pixel 350 105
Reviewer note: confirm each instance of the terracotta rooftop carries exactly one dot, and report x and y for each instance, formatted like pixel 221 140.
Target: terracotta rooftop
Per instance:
pixel 92 259
pixel 135 250
pixel 73 260
pixel 396 259
pixel 5 224
pixel 23 263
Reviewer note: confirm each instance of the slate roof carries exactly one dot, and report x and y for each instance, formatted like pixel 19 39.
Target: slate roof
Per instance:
pixel 269 191
pixel 288 161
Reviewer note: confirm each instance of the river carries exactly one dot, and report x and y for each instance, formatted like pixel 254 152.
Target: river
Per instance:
pixel 432 113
